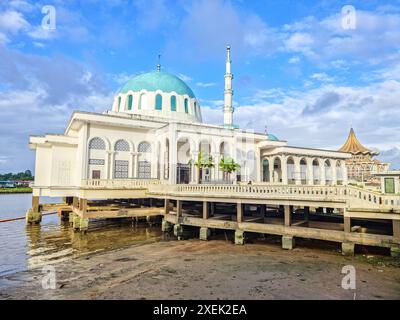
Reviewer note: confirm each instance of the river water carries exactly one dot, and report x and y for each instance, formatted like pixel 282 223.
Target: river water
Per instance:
pixel 23 247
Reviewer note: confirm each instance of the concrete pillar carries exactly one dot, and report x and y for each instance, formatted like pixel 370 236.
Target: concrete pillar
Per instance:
pixel 33 215
pixel 347 224
pixel 212 209
pixel 239 237
pixel 396 229
pixel 166 226
pixel 206 212
pixel 166 206
pixel 395 251
pixel 288 215
pixel 307 214
pixel 204 233
pixel 83 206
pixel 239 212
pixel 288 242
pixel 80 224
pixel 178 208
pixel 348 249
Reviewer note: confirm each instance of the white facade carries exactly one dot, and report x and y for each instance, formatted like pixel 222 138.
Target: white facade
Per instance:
pixel 140 139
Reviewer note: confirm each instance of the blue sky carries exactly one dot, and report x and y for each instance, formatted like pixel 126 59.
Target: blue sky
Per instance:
pixel 297 70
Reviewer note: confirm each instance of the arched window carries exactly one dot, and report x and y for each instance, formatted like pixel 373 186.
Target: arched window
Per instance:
pixel 173 103
pixel 195 108
pixel 121 145
pixel 97 144
pixel 186 106
pixel 143 101
pixel 158 102
pixel 119 103
pixel 130 99
pixel 144 147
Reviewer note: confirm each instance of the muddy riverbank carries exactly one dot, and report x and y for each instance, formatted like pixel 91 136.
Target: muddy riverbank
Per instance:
pixel 216 269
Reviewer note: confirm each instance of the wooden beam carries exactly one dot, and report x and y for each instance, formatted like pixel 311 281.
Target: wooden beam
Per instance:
pixel 288 215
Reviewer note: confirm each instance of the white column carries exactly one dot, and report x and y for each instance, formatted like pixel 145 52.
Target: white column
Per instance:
pixel 334 172
pixel 173 149
pixel 271 170
pixel 322 172
pixel 297 171
pixel 284 170
pixel 111 166
pixel 258 168
pixel 194 179
pixel 310 171
pixel 344 173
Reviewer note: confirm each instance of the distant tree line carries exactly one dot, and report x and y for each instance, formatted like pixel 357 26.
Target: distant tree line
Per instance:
pixel 27 175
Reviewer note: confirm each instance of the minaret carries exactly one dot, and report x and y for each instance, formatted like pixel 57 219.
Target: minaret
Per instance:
pixel 228 92
pixel 159 63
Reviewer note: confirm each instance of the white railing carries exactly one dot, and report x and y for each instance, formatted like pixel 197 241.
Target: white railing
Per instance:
pixel 119 183
pixel 354 196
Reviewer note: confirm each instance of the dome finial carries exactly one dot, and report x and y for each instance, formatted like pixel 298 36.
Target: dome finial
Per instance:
pixel 159 63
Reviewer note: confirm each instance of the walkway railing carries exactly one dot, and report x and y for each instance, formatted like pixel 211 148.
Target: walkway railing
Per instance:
pixel 355 197
pixel 118 183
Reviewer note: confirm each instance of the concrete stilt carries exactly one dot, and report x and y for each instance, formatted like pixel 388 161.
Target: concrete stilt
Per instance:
pixel 239 237
pixel 395 251
pixel 166 226
pixel 288 242
pixel 348 249
pixel 80 224
pixel 178 231
pixel 288 215
pixel 34 215
pixel 204 233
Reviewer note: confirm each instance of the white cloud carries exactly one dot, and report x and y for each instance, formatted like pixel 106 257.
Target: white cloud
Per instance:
pixel 294 60
pixel 322 76
pixel 205 84
pixel 13 22
pixel 184 77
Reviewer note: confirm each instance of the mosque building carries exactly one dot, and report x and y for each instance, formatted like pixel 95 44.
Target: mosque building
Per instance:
pixel 151 155
pixel 154 130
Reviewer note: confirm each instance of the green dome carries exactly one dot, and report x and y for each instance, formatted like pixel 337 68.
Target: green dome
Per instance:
pixel 157 80
pixel 272 137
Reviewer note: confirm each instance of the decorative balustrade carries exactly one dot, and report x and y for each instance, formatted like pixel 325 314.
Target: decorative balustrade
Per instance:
pixel 354 196
pixel 119 183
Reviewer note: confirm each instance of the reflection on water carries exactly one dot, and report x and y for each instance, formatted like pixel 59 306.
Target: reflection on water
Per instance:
pixel 52 241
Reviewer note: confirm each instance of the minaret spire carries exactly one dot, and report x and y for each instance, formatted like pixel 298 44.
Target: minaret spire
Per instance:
pixel 159 63
pixel 228 92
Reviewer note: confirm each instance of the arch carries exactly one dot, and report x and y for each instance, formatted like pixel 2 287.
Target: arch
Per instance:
pixel 173 103
pixel 144 161
pixel 143 103
pixel 291 170
pixel 121 145
pixel 119 103
pixel 158 105
pixel 96 159
pixel 144 147
pixel 224 149
pixel 184 157
pixel 195 108
pixel 265 171
pixel 328 172
pixel 130 102
pixel 277 170
pixel 303 171
pixel 186 105
pixel 316 171
pixel 97 144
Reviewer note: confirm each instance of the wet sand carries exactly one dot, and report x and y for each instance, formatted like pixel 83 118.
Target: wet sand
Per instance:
pixel 217 269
